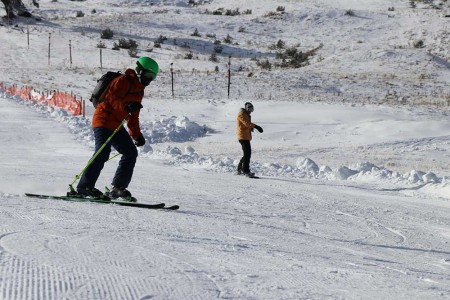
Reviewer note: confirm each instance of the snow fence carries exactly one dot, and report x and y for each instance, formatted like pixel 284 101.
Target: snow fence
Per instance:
pixel 65 101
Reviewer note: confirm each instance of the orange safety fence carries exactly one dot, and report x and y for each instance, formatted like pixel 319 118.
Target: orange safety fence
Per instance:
pixel 65 101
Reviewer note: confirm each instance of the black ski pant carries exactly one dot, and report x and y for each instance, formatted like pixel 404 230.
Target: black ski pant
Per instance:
pixel 244 163
pixel 123 143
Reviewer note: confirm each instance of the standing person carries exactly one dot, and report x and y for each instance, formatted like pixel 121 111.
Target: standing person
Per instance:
pixel 244 135
pixel 123 98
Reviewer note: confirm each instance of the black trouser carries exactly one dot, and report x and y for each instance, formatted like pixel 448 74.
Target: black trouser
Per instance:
pixel 123 143
pixel 244 163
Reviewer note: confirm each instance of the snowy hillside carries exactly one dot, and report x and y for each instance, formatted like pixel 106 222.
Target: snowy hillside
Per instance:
pixel 369 56
pixel 353 199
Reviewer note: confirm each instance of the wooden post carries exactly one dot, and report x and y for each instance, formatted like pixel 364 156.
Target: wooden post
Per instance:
pixel 83 103
pixel 28 36
pixel 171 72
pixel 101 60
pixel 229 75
pixel 70 53
pixel 49 36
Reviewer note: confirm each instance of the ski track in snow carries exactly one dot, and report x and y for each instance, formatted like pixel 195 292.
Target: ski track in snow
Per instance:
pixel 276 252
pixel 83 267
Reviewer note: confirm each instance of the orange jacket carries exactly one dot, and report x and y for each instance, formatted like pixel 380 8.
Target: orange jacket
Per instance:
pixel 244 125
pixel 111 111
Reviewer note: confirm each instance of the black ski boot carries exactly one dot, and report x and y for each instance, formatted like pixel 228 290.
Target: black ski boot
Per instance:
pixel 118 193
pixel 89 192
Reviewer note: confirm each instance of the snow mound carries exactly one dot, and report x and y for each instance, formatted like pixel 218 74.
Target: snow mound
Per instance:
pixel 304 168
pixel 344 173
pixel 173 129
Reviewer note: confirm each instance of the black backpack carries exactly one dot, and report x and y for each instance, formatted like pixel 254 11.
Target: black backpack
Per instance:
pixel 98 95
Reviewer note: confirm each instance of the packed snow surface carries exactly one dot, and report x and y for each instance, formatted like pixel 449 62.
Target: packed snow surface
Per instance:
pixel 353 200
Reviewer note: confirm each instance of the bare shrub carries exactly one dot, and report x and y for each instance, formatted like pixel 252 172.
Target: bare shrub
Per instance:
pixel 350 13
pixel 273 15
pixel 132 52
pixel 101 45
pixel 196 33
pixel 161 39
pixel 232 12
pixel 107 34
pixel 213 57
pixel 228 39
pixel 160 11
pixel 265 64
pixel 418 44
pixel 126 43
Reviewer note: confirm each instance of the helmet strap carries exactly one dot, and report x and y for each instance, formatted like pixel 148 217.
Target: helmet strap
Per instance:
pixel 142 79
pixel 139 68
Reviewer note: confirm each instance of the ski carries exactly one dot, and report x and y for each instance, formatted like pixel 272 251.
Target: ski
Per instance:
pixel 104 201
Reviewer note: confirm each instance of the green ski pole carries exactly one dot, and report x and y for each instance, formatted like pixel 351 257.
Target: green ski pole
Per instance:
pixel 112 157
pixel 71 189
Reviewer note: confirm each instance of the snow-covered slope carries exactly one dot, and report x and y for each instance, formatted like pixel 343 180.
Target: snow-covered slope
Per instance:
pixel 353 200
pixel 298 234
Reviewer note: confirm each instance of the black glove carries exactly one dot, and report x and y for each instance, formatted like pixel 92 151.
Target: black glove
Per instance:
pixel 140 141
pixel 259 128
pixel 133 106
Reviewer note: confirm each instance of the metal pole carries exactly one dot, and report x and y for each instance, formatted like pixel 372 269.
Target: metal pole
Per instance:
pixel 28 36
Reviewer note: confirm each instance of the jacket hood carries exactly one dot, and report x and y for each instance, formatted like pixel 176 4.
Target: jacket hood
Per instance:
pixel 131 72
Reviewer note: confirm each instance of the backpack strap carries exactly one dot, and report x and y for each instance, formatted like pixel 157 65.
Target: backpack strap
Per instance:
pixel 130 86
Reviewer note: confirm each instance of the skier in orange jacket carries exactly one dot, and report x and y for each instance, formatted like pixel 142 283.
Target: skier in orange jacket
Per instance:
pixel 123 98
pixel 244 134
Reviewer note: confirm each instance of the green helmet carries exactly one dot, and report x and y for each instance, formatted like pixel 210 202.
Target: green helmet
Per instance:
pixel 147 64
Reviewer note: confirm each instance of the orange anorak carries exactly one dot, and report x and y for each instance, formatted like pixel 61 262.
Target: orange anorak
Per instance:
pixel 111 111
pixel 244 125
